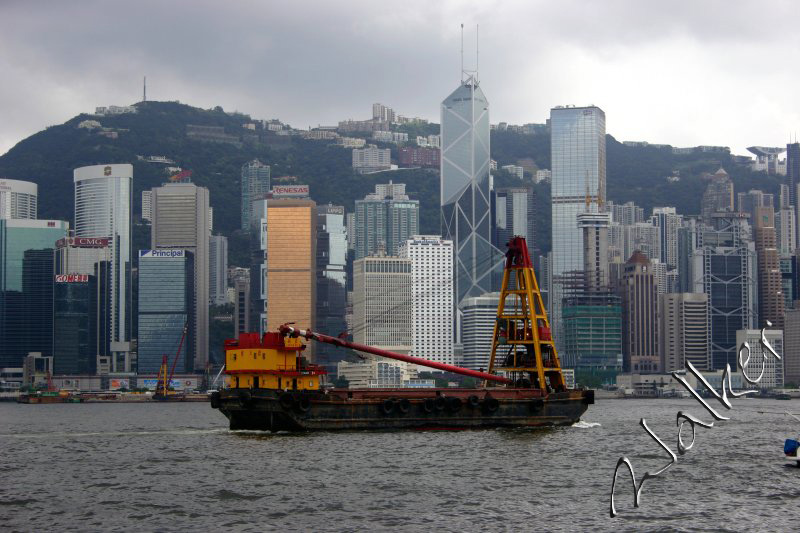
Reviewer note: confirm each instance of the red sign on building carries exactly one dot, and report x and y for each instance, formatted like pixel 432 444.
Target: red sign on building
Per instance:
pixel 83 242
pixel 290 190
pixel 72 278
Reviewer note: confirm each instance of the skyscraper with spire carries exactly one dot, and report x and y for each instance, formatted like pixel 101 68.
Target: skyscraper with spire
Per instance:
pixel 465 192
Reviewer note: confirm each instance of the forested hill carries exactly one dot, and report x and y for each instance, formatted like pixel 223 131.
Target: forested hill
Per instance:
pixel 159 128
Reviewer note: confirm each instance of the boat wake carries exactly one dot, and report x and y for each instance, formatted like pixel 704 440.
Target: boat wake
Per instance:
pixel 585 425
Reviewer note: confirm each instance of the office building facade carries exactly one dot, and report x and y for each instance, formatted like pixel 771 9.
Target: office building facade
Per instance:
pixel 683 331
pixel 594 227
pixel 18 199
pixel 773 376
pixel 578 159
pixel 724 268
pixel 291 264
pixel 639 292
pixel 514 216
pixel 166 302
pixel 241 307
pixel 770 286
pixel 181 221
pixel 75 324
pixel 786 232
pixel 18 237
pixel 331 281
pixel 382 303
pixel 431 296
pixel 37 290
pixel 255 185
pixel 80 255
pixel 103 210
pixel 217 269
pixel 384 220
pixel 371 159
pixel 791 345
pixel 592 329
pixel 667 221
pixel 718 196
pixel 477 328
pixel 793 172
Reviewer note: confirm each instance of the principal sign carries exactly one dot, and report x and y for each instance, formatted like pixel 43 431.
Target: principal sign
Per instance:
pixel 162 253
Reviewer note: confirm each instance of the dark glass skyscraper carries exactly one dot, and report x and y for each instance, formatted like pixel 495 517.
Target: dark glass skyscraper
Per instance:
pixel 331 282
pixel 18 271
pixel 37 291
pixel 166 296
pixel 75 324
pixel 793 171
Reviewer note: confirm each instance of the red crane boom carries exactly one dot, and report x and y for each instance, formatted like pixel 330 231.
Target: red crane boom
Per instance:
pixel 286 329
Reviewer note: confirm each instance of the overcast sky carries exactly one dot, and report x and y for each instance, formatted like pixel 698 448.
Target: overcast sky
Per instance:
pixel 682 73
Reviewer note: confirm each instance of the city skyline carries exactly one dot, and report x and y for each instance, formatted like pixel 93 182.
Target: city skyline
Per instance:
pixel 59 81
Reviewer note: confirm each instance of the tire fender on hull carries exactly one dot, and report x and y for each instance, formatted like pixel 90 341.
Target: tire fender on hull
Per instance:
pixel 403 406
pixel 387 406
pixel 490 405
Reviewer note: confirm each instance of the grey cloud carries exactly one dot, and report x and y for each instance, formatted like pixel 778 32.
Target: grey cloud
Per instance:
pixel 319 62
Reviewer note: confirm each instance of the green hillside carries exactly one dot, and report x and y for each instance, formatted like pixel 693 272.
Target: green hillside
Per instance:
pixel 159 128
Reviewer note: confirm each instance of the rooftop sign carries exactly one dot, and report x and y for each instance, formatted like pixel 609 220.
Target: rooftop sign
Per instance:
pixel 82 242
pixel 290 190
pixel 72 278
pixel 162 253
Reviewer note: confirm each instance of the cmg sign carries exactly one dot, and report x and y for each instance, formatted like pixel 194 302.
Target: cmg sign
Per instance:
pixel 83 242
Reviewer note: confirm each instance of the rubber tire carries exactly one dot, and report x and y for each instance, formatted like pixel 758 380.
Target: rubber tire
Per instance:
pixel 536 403
pixel 215 400
pixel 428 405
pixel 491 405
pixel 303 404
pixel 286 400
pixel 473 402
pixel 245 398
pixel 439 403
pixel 454 404
pixel 387 407
pixel 403 406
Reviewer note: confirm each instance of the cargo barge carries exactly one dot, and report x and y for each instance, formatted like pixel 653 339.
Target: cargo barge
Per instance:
pixel 271 386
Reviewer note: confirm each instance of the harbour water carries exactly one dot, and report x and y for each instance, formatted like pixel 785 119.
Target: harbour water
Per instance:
pixel 171 467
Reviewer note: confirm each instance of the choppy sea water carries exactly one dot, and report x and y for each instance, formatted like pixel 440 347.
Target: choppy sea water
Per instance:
pixel 175 467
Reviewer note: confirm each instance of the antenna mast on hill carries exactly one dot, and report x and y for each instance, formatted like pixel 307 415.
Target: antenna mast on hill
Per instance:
pixel 144 89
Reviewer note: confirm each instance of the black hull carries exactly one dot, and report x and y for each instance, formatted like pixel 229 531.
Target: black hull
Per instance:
pixel 269 410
